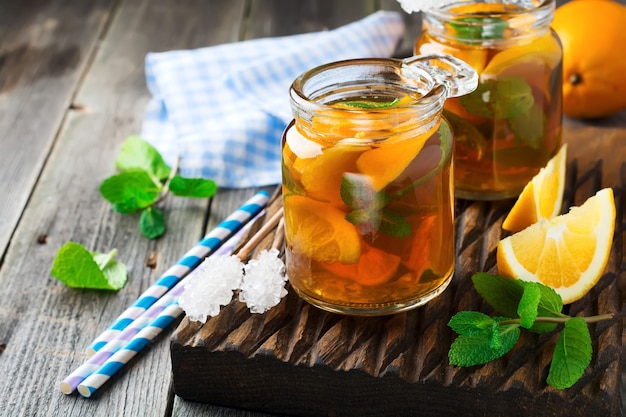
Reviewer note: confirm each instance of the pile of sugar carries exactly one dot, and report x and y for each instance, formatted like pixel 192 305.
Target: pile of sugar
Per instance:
pixel 212 284
pixel 411 6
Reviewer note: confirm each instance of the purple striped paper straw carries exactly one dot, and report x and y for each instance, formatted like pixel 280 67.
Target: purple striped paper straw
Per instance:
pixel 113 364
pixel 189 261
pixel 71 382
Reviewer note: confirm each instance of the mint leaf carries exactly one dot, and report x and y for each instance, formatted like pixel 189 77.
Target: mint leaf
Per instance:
pixel 528 305
pixel 572 354
pixel 480 349
pixel 130 191
pixel 530 127
pixel 501 293
pixel 76 267
pixel 502 98
pixel 478 28
pixel 192 187
pixel 152 223
pixel 366 104
pixel 393 224
pixel 357 192
pixel 470 323
pixel 136 153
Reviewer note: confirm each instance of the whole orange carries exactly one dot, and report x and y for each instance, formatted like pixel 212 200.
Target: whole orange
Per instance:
pixel 593 36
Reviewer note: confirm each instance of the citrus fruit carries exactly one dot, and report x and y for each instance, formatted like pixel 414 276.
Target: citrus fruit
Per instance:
pixel 374 267
pixel 593 65
pixel 567 253
pixel 541 198
pixel 320 231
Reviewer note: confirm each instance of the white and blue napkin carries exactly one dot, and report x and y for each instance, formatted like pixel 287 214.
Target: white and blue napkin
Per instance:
pixel 223 109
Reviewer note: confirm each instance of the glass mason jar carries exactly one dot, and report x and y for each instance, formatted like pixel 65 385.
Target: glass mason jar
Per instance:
pixel 510 126
pixel 367 183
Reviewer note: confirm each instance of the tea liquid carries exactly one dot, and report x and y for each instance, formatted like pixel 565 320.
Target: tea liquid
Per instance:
pixel 369 223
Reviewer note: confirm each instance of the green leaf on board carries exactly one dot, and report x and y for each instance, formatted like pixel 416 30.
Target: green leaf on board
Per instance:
pixel 136 153
pixel 479 349
pixel 130 191
pixel 152 223
pixel 572 354
pixel 77 267
pixel 192 187
pixel 529 304
pixel 502 98
pixel 470 323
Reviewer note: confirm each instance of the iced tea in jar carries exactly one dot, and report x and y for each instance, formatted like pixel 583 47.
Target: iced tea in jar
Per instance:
pixel 510 126
pixel 368 183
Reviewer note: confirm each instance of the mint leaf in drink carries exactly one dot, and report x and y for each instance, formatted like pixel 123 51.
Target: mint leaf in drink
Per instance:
pixel 501 98
pixel 136 153
pixel 478 28
pixel 152 223
pixel 369 206
pixel 368 104
pixel 529 304
pixel 470 323
pixel 393 224
pixel 192 187
pixel 482 348
pixel 572 354
pixel 131 190
pixel 530 127
pixel 77 267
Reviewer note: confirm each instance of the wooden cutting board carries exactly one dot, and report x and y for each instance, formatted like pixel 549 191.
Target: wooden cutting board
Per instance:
pixel 297 360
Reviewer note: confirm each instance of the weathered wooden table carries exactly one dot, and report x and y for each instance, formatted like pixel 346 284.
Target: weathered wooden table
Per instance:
pixel 72 88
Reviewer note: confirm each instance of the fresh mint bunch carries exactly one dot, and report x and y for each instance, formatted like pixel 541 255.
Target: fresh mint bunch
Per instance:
pixel 144 180
pixel 525 305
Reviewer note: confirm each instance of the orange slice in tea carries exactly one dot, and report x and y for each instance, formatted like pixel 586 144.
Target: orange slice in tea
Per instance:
pixel 542 197
pixel 319 231
pixel 542 52
pixel 385 163
pixel 374 267
pixel 568 253
pixel 321 176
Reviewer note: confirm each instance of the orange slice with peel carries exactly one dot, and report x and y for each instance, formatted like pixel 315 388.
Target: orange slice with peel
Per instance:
pixel 374 267
pixel 385 163
pixel 319 231
pixel 542 197
pixel 568 253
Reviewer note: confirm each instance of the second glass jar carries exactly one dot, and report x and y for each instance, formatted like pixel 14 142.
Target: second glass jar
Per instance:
pixel 510 126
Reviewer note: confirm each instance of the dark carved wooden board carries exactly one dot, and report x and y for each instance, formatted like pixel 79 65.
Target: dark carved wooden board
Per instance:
pixel 297 360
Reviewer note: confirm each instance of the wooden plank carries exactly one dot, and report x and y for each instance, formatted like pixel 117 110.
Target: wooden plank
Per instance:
pixel 300 361
pixel 44 49
pixel 45 327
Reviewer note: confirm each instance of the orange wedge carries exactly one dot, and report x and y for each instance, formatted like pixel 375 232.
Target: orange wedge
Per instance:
pixel 542 197
pixel 568 253
pixel 319 231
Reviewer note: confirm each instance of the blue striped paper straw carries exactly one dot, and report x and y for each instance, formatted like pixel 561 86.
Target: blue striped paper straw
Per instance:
pixel 71 382
pixel 113 364
pixel 189 261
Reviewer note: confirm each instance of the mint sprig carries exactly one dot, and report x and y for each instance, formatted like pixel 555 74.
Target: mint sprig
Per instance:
pixel 145 180
pixel 526 305
pixel 77 267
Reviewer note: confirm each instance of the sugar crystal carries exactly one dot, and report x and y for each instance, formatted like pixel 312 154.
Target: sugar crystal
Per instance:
pixel 411 6
pixel 211 286
pixel 263 282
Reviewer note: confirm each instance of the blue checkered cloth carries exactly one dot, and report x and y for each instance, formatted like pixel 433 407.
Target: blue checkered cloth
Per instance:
pixel 223 109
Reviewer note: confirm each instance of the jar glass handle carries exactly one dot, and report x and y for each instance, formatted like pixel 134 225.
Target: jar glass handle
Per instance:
pixel 458 77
